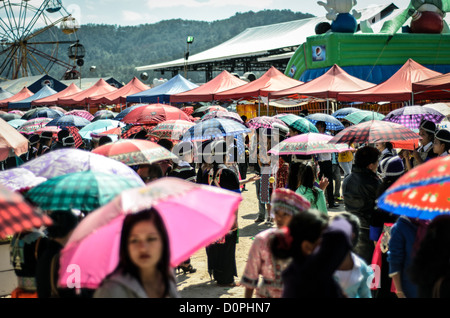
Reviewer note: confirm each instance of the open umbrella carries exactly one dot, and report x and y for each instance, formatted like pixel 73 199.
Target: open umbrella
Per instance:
pixel 154 114
pixel 103 114
pixel 84 190
pixel 308 144
pixel 94 244
pixel 443 108
pixel 134 151
pixel 341 113
pixel 42 112
pixel 171 129
pixel 16 111
pixel 363 116
pixel 67 160
pixel 9 116
pixel 69 120
pixel 423 192
pixel 31 125
pixel 331 122
pixel 412 116
pixel 16 123
pixel 199 112
pixel 373 131
pixel 11 140
pixel 17 215
pixel 213 128
pixel 17 179
pixel 99 126
pixel 264 122
pixel 299 123
pixel 82 113
pixel 222 114
pixel 126 111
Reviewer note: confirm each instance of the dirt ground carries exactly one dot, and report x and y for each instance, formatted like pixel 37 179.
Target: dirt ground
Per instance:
pixel 199 284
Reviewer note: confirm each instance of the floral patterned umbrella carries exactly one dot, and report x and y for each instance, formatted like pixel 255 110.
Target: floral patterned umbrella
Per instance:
pixel 423 192
pixel 33 124
pixel 134 152
pixel 171 129
pixel 308 144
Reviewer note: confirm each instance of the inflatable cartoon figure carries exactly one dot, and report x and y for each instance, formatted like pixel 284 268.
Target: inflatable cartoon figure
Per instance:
pixel 338 12
pixel 427 16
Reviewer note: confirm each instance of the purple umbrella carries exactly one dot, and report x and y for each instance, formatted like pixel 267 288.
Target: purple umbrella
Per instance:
pixel 17 179
pixel 411 116
pixel 63 161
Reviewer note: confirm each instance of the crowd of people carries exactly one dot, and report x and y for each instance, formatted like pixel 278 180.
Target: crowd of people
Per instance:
pixel 307 252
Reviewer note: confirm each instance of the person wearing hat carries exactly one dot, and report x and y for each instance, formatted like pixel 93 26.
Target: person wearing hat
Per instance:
pixel 45 142
pixel 32 148
pixel 425 151
pixel 262 273
pixel 441 145
pixel 65 140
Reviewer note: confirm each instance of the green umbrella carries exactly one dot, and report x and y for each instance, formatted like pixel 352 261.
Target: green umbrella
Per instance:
pixel 299 123
pixel 363 116
pixel 84 191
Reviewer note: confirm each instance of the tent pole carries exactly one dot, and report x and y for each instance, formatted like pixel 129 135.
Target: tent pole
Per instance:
pixel 259 107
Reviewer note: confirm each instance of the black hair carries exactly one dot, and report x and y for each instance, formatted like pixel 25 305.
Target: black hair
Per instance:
pixel 365 156
pixel 63 223
pixel 305 226
pixel 166 143
pixel 307 180
pixel 104 140
pixel 355 223
pixel 125 263
pixel 321 124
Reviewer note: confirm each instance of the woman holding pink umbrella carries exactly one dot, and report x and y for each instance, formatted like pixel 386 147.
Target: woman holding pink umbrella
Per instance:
pixel 144 261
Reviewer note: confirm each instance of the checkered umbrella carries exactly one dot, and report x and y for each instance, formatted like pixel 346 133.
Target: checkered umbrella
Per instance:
pixel 362 116
pixel 17 215
pixel 69 120
pixel 82 113
pixel 411 116
pixel 341 113
pixel 171 129
pixel 222 114
pixel 299 123
pixel 213 128
pixel 84 191
pixel 422 192
pixel 264 122
pixel 331 122
pixel 33 124
pixel 374 131
pixel 134 151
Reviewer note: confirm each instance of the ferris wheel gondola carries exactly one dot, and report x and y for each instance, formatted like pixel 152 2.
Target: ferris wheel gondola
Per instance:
pixel 32 34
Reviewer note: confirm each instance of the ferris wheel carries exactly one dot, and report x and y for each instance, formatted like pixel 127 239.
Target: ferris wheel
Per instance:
pixel 32 34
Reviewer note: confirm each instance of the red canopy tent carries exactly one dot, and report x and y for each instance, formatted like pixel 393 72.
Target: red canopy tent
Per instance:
pixel 53 99
pixel 101 87
pixel 271 81
pixel 437 87
pixel 334 81
pixel 24 93
pixel 205 93
pixel 397 88
pixel 119 96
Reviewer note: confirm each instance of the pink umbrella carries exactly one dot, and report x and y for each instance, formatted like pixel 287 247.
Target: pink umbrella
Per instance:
pixel 308 144
pixel 94 245
pixel 82 113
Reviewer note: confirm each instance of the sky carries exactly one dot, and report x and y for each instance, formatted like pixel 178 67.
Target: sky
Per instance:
pixel 135 12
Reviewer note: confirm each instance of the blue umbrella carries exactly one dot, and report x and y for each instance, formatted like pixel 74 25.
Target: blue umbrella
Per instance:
pixel 125 112
pixel 341 113
pixel 213 128
pixel 68 121
pixel 99 126
pixel 331 122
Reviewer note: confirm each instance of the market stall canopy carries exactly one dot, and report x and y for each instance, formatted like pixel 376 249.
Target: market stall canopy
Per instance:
pixel 397 88
pixel 437 87
pixel 45 91
pixel 162 93
pixel 53 99
pixel 328 85
pixel 271 81
pixel 205 93
pixel 120 96
pixel 33 83
pixel 82 98
pixel 24 93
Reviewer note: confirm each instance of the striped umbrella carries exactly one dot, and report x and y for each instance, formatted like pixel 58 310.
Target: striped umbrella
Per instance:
pixel 412 116
pixel 85 190
pixel 213 128
pixel 33 124
pixel 171 129
pixel 82 113
pixel 363 116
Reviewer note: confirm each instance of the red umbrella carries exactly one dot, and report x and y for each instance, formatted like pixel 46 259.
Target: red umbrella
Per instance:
pixel 373 131
pixel 134 151
pixel 17 215
pixel 154 114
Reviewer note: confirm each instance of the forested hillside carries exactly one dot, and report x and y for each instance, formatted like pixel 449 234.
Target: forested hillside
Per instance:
pixel 117 50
